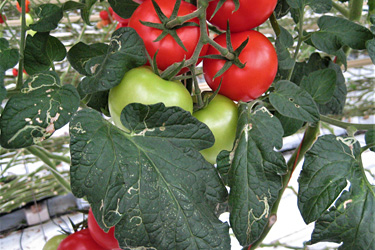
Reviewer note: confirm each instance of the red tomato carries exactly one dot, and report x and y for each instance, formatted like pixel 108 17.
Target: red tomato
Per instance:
pixel 250 14
pixel 80 240
pixel 254 79
pixel 169 51
pixel 2 18
pixel 15 72
pixel 104 15
pixel 120 25
pixel 27 9
pixel 106 240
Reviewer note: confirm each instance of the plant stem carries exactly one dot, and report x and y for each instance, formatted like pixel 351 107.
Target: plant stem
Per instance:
pixel 310 136
pixel 342 9
pixel 299 43
pixel 275 24
pixel 355 10
pixel 346 125
pixel 51 166
pixel 22 45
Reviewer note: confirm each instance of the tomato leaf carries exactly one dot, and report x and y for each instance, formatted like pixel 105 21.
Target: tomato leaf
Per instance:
pixel 320 85
pixel 3 91
pixel 49 17
pixel 86 10
pixel 124 8
pixel 315 63
pixel 254 172
pixel 370 138
pixel 292 101
pixel 41 51
pixel 81 53
pixel 318 6
pixel 8 57
pixel 42 107
pixel 126 51
pixel 283 42
pixel 329 166
pixel 290 125
pixel 335 32
pixel 71 5
pixel 156 187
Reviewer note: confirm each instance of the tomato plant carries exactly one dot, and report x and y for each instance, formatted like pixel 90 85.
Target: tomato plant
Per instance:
pixel 221 116
pixel 250 82
pixel 80 240
pixel 159 40
pixel 104 239
pixel 155 182
pixel 142 85
pixel 250 14
pixel 54 242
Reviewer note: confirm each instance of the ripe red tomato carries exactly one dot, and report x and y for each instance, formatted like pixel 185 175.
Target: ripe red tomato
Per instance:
pixel 2 18
pixel 250 14
pixel 80 240
pixel 104 15
pixel 15 72
pixel 27 9
pixel 254 79
pixel 169 51
pixel 106 240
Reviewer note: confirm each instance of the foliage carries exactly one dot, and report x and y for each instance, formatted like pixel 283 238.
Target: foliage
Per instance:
pixel 150 180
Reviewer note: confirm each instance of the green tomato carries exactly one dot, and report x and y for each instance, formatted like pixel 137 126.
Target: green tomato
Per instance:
pixel 29 20
pixel 54 242
pixel 142 85
pixel 221 116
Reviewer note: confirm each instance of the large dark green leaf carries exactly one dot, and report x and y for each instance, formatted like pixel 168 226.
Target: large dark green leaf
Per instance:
pixel 41 51
pixel 86 10
pixel 292 101
pixel 335 32
pixel 283 42
pixel 8 57
pixel 81 53
pixel 124 8
pixel 370 138
pixel 3 91
pixel 330 165
pixel 126 51
pixel 155 186
pixel 49 17
pixel 42 107
pixel 255 170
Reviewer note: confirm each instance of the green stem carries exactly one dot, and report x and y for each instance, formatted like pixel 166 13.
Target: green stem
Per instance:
pixel 182 19
pixel 22 45
pixel 51 166
pixel 310 136
pixel 342 9
pixel 346 125
pixel 197 90
pixel 274 24
pixel 355 10
pixel 299 43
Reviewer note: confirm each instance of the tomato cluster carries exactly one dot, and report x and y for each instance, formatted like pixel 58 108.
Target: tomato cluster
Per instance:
pixel 90 238
pixel 250 75
pixel 258 56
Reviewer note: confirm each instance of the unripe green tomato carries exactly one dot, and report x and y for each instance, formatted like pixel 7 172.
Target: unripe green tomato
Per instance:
pixel 54 242
pixel 29 20
pixel 142 85
pixel 221 116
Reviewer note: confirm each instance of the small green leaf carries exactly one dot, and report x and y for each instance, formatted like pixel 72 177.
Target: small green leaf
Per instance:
pixel 4 44
pixel 86 11
pixel 292 101
pixel 123 8
pixel 41 51
pixel 320 85
pixel 370 138
pixel 42 107
pixel 283 42
pixel 254 170
pixel 81 53
pixel 71 5
pixel 49 17
pixel 9 58
pixel 126 51
pixel 3 91
pixel 370 45
pixel 157 189
pixel 282 8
